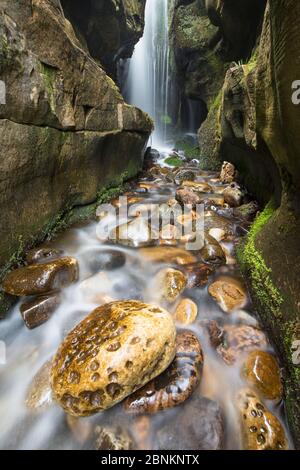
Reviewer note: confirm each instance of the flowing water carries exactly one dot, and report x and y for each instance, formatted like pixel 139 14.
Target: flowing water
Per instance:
pixel 148 82
pixel 27 351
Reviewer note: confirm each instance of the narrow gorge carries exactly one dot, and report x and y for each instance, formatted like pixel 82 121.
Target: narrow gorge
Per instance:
pixel 150 225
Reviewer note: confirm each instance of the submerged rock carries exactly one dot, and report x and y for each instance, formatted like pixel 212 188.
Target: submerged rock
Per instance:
pixel 105 260
pixel 233 195
pixel 213 220
pixel 41 278
pixel 40 255
pixel 135 233
pixel 239 340
pixel 197 274
pixel 184 175
pixel 39 310
pixel 176 384
pixel 198 186
pixel 230 293
pixel 197 425
pixel 39 393
pixel 114 351
pixel 171 282
pixel 186 196
pixel 110 438
pixel 246 211
pixel 212 251
pixel 261 430
pixel 186 312
pixel 163 254
pixel 262 371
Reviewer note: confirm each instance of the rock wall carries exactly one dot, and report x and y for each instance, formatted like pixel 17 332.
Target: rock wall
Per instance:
pixel 253 123
pixel 65 131
pixel 207 35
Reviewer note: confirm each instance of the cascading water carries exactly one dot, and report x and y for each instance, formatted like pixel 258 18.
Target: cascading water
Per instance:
pixel 148 81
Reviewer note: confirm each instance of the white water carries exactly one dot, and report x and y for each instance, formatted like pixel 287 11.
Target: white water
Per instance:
pixel 148 81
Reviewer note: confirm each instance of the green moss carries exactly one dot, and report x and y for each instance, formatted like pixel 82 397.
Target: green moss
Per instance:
pixel 189 150
pixel 252 61
pixel 49 76
pixel 173 161
pixel 216 102
pixel 252 262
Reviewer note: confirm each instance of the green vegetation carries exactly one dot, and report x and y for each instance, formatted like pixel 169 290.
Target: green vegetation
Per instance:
pixel 253 263
pixel 49 76
pixel 166 120
pixel 216 102
pixel 173 161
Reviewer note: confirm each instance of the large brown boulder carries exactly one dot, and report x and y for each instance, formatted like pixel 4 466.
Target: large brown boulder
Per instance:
pixel 65 131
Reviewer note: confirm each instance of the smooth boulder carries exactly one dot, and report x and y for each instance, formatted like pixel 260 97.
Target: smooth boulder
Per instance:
pixel 113 352
pixel 41 278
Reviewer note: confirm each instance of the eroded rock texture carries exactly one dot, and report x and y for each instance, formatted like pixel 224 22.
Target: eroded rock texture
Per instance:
pixel 65 131
pixel 254 124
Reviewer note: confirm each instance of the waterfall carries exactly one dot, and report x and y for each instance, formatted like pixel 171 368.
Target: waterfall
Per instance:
pixel 148 80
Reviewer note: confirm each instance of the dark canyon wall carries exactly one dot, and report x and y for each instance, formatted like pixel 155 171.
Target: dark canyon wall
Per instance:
pixel 65 131
pixel 240 59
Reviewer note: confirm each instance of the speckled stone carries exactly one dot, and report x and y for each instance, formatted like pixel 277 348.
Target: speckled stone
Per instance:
pixel 114 351
pixel 261 430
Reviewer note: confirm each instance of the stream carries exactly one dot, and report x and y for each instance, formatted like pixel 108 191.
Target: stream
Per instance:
pixel 210 417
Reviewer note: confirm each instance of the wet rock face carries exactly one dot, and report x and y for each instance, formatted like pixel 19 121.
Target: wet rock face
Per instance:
pixel 261 430
pixel 113 352
pixel 40 108
pixel 262 371
pixel 39 310
pixel 168 255
pixel 39 393
pixel 176 384
pixel 41 278
pixel 198 425
pixel 110 28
